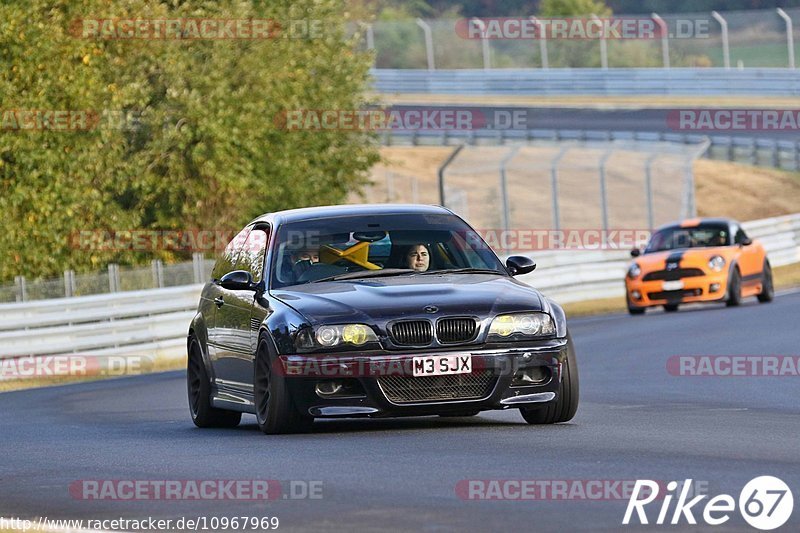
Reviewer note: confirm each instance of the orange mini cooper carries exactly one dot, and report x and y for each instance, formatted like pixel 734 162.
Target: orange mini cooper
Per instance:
pixel 698 260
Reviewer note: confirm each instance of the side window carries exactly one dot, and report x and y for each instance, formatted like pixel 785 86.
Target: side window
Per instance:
pixel 227 260
pixel 252 256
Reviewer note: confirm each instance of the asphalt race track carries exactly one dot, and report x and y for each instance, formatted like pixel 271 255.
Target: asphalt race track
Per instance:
pixel 635 421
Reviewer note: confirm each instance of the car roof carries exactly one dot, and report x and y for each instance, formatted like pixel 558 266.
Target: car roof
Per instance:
pixel 311 213
pixel 694 222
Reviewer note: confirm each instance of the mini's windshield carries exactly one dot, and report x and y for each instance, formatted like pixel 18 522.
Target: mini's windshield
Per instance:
pixel 702 236
pixel 351 247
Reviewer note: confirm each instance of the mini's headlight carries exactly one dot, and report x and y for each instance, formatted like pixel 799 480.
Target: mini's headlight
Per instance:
pixel 526 324
pixel 634 271
pixel 356 334
pixel 716 263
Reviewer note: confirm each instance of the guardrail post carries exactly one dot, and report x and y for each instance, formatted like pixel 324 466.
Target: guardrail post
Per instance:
pixel 504 189
pixel 664 39
pixel 487 59
pixel 554 186
pixel 22 288
pixel 603 43
pixel 113 277
pixel 726 49
pixel 426 29
pixel 789 35
pixel 542 43
pixel 442 169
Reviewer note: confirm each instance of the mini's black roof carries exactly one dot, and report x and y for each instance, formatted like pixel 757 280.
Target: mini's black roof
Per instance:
pixel 694 222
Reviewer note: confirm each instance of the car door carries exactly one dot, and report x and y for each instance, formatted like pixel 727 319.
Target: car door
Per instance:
pixel 749 257
pixel 240 332
pixel 219 323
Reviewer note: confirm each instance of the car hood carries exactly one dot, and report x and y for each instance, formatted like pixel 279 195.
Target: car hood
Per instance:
pixel 682 257
pixel 377 300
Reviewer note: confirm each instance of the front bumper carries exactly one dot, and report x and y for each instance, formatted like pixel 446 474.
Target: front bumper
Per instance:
pixel 695 289
pixel 368 392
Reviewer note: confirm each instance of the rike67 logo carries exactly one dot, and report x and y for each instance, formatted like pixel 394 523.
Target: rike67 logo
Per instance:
pixel 765 503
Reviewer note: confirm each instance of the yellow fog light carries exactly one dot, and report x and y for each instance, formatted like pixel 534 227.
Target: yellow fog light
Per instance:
pixel 355 334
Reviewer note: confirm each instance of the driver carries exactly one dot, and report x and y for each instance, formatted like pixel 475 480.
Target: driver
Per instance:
pixel 418 257
pixel 303 259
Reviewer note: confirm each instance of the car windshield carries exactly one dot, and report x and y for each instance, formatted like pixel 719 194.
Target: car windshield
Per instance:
pixel 702 236
pixel 352 247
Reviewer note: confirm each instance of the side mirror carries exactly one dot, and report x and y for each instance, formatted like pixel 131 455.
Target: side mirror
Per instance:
pixel 636 252
pixel 238 280
pixel 519 264
pixel 747 241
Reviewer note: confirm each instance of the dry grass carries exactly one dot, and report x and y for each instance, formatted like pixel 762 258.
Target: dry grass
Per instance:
pixel 606 102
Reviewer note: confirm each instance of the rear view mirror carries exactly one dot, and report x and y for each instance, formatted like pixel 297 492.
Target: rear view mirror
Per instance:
pixel 238 280
pixel 519 264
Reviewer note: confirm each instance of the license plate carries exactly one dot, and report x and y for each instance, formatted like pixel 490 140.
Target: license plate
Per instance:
pixel 672 285
pixel 442 365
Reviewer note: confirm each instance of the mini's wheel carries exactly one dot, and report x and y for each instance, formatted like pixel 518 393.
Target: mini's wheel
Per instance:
pixel 734 289
pixel 767 287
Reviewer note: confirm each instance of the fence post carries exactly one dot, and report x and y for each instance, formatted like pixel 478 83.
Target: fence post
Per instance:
pixel 603 43
pixel 603 188
pixel 554 186
pixel 69 283
pixel 113 277
pixel 664 39
pixel 442 168
pixel 22 289
pixel 428 43
pixel 789 35
pixel 542 43
pixel 504 189
pixel 648 186
pixel 726 50
pixel 487 59
pixel 158 273
pixel 197 263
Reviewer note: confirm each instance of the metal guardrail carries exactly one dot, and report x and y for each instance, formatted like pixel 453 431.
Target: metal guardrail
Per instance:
pixel 588 81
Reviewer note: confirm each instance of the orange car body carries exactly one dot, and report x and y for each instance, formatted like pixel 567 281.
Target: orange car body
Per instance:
pixel 683 274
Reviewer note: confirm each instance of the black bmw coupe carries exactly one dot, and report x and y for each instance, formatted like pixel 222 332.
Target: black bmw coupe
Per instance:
pixel 373 311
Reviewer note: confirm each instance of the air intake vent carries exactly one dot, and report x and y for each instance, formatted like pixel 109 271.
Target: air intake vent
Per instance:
pixel 456 330
pixel 412 333
pixel 403 389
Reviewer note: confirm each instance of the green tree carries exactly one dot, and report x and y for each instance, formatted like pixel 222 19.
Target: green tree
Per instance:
pixel 569 8
pixel 205 149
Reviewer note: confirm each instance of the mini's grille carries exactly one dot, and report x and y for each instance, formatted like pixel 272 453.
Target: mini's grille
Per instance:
pixel 404 389
pixel 455 330
pixel 412 333
pixel 673 275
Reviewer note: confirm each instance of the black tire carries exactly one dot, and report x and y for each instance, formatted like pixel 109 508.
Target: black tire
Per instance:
pixel 671 308
pixel 734 288
pixel 198 386
pixel 634 310
pixel 563 409
pixel 767 286
pixel 275 410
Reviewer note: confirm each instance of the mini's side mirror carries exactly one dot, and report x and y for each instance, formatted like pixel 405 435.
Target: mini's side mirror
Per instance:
pixel 238 280
pixel 636 252
pixel 747 241
pixel 519 264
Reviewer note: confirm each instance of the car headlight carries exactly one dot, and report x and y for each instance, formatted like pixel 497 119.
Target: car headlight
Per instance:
pixel 634 271
pixel 524 324
pixel 330 336
pixel 716 263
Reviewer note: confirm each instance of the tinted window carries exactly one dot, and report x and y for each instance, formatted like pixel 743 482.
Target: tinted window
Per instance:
pixel 702 236
pixel 251 258
pixel 227 260
pixel 315 249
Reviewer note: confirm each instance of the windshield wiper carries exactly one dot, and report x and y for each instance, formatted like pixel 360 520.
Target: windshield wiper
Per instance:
pixel 463 271
pixel 367 274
